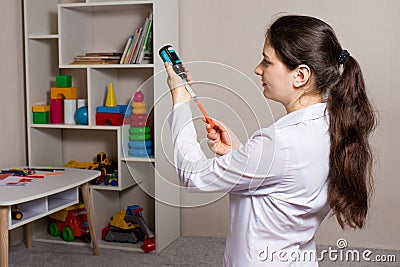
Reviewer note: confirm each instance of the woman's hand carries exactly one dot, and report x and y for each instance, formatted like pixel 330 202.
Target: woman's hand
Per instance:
pixel 221 140
pixel 177 86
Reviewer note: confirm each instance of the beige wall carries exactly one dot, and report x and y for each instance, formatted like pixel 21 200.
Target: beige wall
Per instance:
pixel 12 119
pixel 231 32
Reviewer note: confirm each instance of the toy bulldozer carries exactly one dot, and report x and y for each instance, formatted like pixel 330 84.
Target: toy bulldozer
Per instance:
pixel 130 227
pixel 134 215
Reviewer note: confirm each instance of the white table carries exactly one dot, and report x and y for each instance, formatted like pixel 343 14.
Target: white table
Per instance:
pixel 43 197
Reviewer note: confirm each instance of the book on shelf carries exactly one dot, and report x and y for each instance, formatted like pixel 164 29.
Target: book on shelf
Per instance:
pixel 138 47
pixel 128 43
pixel 97 58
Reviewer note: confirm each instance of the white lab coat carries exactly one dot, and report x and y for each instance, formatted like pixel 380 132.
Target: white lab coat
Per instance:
pixel 277 185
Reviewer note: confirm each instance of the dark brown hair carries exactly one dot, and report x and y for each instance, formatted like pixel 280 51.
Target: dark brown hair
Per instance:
pixel 307 40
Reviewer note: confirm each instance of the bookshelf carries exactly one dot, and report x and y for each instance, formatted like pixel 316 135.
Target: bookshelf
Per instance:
pixel 57 31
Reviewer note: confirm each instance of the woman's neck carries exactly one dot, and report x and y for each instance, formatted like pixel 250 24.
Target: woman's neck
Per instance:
pixel 303 102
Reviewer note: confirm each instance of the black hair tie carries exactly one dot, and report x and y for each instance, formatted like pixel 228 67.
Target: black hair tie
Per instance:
pixel 343 56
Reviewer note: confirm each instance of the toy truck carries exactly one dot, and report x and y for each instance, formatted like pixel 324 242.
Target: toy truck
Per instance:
pixel 129 226
pixel 101 163
pixel 70 222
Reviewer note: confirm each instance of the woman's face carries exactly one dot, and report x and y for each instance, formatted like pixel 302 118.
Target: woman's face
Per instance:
pixel 276 78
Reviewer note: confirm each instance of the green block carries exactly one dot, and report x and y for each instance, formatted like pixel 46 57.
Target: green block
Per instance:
pixel 63 81
pixel 41 117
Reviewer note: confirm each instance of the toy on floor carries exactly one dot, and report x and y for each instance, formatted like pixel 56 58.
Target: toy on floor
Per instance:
pixel 129 226
pixel 70 223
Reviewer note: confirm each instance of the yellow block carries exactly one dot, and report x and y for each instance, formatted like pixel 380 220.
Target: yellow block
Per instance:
pixel 60 93
pixel 139 111
pixel 139 104
pixel 40 108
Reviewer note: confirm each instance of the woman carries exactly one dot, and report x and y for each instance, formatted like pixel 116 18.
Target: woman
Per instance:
pixel 287 177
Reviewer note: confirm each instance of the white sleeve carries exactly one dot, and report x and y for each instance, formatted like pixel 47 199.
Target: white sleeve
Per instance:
pixel 245 170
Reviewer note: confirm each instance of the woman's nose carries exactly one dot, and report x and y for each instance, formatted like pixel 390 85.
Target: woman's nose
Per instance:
pixel 258 70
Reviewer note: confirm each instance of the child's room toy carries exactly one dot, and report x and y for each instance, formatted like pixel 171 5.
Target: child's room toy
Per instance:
pixel 110 113
pixel 121 231
pixel 111 101
pixel 56 111
pixel 129 226
pixel 41 114
pixel 81 115
pixel 102 163
pixel 16 214
pixel 69 111
pixel 63 81
pixel 70 222
pixel 63 101
pixel 139 130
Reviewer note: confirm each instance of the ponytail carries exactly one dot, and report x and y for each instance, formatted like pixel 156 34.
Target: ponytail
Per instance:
pixel 351 120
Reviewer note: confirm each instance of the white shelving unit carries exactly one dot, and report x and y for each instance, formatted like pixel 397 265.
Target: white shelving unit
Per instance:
pixel 55 32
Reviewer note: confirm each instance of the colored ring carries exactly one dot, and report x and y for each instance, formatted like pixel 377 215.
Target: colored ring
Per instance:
pixel 139 104
pixel 139 123
pixel 139 137
pixel 140 152
pixel 139 111
pixel 140 144
pixel 139 130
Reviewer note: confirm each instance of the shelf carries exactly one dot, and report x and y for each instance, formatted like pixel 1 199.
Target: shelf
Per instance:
pixel 45 237
pixel 43 36
pixel 105 6
pixel 56 31
pixel 121 246
pixel 78 127
pixel 108 66
pixel 139 159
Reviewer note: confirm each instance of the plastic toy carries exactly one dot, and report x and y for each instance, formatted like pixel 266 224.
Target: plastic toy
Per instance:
pixel 102 163
pixel 41 114
pixel 63 81
pixel 139 130
pixel 81 115
pixel 121 231
pixel 63 92
pixel 129 226
pixel 140 144
pixel 112 179
pixel 115 119
pixel 134 215
pixel 70 222
pixel 69 111
pixel 56 111
pixel 138 96
pixel 111 100
pixel 110 113
pixel 16 214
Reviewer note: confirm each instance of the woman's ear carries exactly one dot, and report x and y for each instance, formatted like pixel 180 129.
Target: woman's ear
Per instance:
pixel 302 74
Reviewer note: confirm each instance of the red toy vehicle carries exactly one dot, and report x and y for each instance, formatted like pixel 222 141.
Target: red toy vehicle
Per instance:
pixel 71 222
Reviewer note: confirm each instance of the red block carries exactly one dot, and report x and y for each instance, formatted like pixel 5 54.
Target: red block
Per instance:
pixel 114 119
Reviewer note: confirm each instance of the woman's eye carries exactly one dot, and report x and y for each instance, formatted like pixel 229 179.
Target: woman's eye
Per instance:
pixel 266 62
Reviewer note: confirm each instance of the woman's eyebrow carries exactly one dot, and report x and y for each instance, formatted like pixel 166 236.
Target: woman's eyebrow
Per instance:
pixel 264 55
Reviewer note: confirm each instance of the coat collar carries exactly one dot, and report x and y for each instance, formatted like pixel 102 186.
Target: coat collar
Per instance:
pixel 311 112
